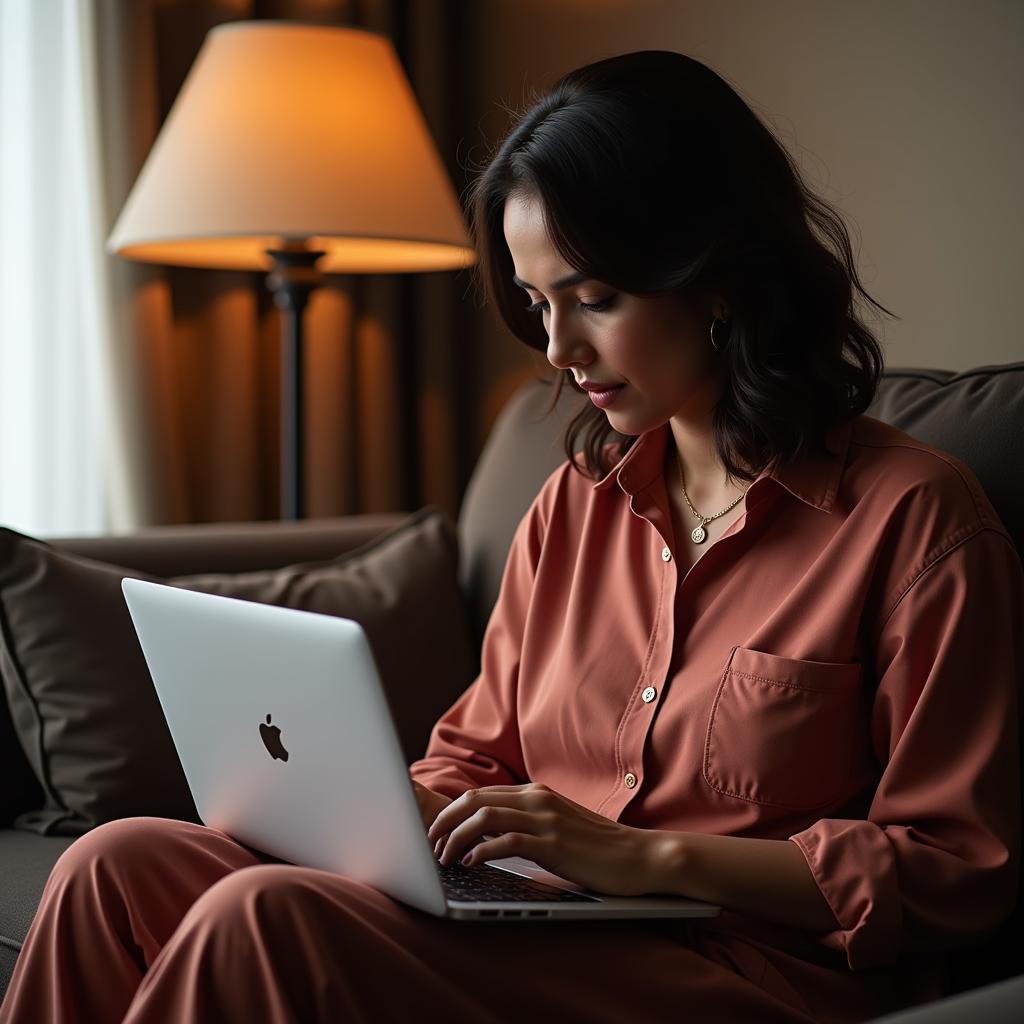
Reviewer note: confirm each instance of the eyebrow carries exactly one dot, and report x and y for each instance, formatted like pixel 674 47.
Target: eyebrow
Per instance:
pixel 563 282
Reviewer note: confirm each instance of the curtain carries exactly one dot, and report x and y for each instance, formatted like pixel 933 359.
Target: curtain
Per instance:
pixel 196 352
pixel 57 450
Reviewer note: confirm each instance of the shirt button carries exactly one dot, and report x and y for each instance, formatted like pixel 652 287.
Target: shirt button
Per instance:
pixel 649 694
pixel 666 555
pixel 630 780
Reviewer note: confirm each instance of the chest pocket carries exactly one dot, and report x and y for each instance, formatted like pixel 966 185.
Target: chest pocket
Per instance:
pixel 782 731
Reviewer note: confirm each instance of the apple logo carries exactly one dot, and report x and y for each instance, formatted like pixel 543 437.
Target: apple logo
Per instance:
pixel 271 736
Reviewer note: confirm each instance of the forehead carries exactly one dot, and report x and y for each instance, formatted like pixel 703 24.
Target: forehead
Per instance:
pixel 527 238
pixel 523 214
pixel 524 227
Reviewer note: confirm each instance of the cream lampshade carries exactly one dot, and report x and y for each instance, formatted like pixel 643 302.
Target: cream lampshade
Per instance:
pixel 298 149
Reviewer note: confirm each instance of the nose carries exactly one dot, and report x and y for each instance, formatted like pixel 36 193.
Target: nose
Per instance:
pixel 567 347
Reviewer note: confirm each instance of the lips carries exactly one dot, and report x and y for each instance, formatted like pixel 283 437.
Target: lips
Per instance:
pixel 604 395
pixel 590 386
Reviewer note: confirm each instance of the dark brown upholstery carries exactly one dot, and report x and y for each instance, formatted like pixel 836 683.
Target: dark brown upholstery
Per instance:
pixel 231 547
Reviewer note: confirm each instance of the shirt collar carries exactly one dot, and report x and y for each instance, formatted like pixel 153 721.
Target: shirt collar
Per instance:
pixel 813 477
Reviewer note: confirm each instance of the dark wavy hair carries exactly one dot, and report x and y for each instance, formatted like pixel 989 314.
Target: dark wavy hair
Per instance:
pixel 656 177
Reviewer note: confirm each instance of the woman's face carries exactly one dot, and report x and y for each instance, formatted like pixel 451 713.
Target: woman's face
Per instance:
pixel 654 349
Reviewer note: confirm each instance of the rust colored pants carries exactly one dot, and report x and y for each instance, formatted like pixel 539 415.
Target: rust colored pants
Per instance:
pixel 149 919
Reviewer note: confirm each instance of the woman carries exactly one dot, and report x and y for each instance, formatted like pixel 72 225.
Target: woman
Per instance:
pixel 733 656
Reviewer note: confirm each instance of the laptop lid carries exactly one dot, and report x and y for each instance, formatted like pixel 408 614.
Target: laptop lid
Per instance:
pixel 282 743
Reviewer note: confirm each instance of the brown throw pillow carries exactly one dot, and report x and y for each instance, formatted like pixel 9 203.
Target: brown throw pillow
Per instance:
pixel 80 694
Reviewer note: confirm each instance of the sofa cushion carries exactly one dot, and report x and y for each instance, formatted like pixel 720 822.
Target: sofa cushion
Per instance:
pixel 27 860
pixel 20 788
pixel 80 694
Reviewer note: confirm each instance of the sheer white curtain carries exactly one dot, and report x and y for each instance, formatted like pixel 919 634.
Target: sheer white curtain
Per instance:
pixel 57 459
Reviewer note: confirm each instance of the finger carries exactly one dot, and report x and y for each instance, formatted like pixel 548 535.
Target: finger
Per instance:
pixel 462 807
pixel 457 811
pixel 487 820
pixel 509 844
pixel 439 845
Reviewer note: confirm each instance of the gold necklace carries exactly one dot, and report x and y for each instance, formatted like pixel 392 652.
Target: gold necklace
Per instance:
pixel 699 533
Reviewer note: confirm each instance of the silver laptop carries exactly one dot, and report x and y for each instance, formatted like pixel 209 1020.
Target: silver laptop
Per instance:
pixel 288 745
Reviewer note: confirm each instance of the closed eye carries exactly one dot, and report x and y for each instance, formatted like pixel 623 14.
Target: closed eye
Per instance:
pixel 590 307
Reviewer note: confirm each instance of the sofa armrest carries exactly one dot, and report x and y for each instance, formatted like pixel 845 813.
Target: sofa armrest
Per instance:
pixel 231 547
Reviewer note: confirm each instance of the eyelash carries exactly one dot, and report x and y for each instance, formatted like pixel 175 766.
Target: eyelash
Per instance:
pixel 590 307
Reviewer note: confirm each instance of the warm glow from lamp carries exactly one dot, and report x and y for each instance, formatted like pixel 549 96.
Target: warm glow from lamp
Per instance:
pixel 286 133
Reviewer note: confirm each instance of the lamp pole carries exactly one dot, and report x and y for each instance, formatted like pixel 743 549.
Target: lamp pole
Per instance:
pixel 291 280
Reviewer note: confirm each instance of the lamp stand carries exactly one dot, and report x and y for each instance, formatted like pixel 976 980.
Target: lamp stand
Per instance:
pixel 291 280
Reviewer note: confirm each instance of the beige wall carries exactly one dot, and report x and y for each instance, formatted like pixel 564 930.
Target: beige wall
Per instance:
pixel 906 114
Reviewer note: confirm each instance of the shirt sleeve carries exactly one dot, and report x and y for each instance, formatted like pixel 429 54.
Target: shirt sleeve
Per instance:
pixel 476 741
pixel 936 863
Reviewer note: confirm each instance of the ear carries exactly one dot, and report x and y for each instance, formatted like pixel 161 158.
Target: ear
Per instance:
pixel 719 307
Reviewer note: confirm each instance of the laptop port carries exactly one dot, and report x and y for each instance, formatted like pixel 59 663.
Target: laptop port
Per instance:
pixel 512 913
pixel 488 913
pixel 538 913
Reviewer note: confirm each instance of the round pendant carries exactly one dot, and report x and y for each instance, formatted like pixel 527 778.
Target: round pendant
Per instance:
pixel 698 535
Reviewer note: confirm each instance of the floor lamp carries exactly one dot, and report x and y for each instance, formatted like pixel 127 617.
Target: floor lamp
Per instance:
pixel 300 150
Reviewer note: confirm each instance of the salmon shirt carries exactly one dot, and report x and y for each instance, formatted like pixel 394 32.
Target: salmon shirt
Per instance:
pixel 841 669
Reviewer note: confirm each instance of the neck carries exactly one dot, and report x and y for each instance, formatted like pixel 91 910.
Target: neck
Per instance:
pixel 704 477
pixel 703 472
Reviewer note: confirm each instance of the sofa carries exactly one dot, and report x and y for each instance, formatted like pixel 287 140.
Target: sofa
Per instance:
pixel 976 415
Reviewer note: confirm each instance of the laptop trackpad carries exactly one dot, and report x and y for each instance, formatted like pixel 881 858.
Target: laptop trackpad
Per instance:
pixel 531 869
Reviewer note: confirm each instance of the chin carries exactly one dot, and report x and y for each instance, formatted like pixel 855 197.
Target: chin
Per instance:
pixel 630 426
pixel 621 426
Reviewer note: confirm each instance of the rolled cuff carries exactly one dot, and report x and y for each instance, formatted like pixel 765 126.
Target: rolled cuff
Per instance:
pixel 854 866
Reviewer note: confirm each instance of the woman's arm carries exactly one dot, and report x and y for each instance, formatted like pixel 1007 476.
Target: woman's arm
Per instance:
pixel 476 741
pixel 766 878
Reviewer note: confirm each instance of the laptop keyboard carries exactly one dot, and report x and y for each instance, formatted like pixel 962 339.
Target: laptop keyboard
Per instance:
pixel 485 883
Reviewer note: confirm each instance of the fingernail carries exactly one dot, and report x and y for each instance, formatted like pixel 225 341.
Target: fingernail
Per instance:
pixel 437 846
pixel 467 858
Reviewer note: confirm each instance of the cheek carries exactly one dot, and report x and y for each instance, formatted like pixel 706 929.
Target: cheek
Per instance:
pixel 660 354
pixel 656 347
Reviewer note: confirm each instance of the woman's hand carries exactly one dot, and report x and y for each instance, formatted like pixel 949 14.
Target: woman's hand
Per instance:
pixel 430 802
pixel 534 822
